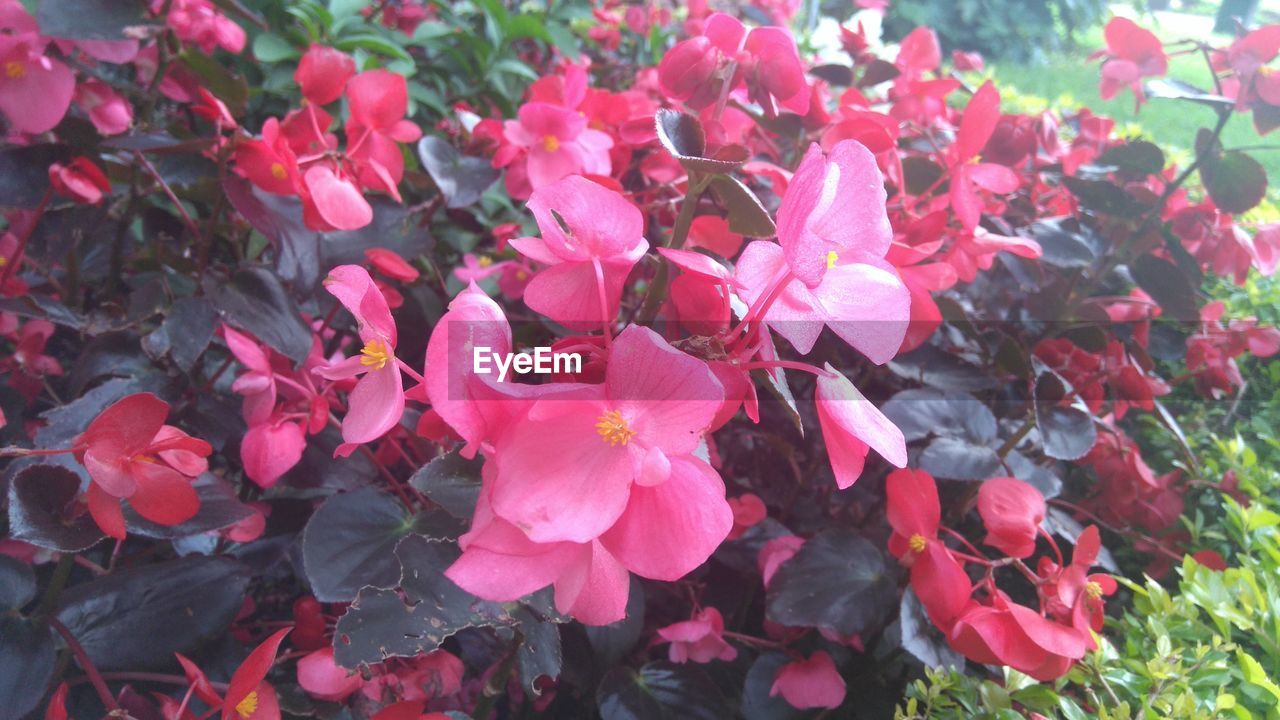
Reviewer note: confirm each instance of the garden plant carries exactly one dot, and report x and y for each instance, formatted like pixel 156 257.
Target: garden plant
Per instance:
pixel 406 360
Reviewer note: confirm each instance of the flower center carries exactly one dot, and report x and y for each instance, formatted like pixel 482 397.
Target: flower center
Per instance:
pixel 831 259
pixel 15 69
pixel 278 172
pixel 613 428
pixel 550 143
pixel 248 706
pixel 376 354
pixel 917 543
pixel 1093 590
pixel 485 261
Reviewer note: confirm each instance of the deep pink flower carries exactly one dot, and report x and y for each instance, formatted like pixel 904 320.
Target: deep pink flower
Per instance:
pixel 270 449
pixel 108 110
pixel 35 90
pixel 980 118
pixel 811 683
pixel 654 406
pixel 700 639
pixel 323 72
pixel 198 22
pixel 748 510
pixel 80 180
pixel 589 255
pixel 833 233
pixel 1012 512
pixel 776 552
pixel 851 426
pixel 1132 53
pixel 379 100
pixel 376 403
pixel 322 679
pixel 550 142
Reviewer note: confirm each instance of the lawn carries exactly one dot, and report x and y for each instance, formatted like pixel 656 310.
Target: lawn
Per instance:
pixel 1068 81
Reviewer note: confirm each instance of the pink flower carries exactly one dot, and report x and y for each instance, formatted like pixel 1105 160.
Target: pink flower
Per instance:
pixel 258 384
pixel 776 552
pixel 591 238
pixel 322 679
pixel 80 180
pixel 664 532
pixel 271 449
pixel 379 100
pixel 35 90
pixel 700 639
pixel 981 116
pixel 108 110
pixel 1012 511
pixel 851 425
pixel 811 683
pixel 197 21
pixel 554 142
pixel 828 266
pixel 376 403
pixel 323 73
pixel 654 406
pixel 1132 53
pixel 748 511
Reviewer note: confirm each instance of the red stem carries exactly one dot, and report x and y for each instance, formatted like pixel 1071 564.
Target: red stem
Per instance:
pixel 95 677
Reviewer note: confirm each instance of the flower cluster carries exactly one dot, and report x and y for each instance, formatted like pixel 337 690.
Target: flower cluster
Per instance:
pixel 980 620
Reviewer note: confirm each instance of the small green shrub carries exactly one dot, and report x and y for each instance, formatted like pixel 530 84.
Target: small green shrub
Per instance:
pixel 1017 29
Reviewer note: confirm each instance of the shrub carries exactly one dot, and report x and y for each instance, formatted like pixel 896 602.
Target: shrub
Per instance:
pixel 998 28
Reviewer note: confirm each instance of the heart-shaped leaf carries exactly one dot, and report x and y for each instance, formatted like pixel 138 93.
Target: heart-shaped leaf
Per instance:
pixel 461 179
pixel 838 580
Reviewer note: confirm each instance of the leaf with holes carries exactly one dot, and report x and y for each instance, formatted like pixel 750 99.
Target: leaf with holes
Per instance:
pixel 452 482
pixel 350 543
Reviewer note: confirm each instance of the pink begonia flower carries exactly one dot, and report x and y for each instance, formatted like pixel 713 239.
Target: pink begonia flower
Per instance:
pixel 35 90
pixel 665 532
pixel 513 275
pixel 376 403
pixel 108 110
pixel 700 295
pixel 851 425
pixel 554 143
pixel 258 385
pixel 331 200
pixel 700 639
pixel 1012 511
pixel 379 100
pixel 748 511
pixel 654 406
pixel 833 234
pixel 591 238
pixel 323 73
pixel 812 683
pixel 981 116
pixel 323 679
pixel 198 22
pixel 271 449
pixel 776 552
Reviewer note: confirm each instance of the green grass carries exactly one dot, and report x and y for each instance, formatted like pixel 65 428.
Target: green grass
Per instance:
pixel 1068 82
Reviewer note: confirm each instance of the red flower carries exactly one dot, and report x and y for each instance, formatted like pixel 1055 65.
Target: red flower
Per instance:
pixel 811 683
pixel 1132 53
pixel 1012 511
pixel 132 455
pixel 937 577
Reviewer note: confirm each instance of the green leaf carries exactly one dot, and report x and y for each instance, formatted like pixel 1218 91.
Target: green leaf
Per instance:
pixel 137 618
pixel 1235 181
pixel 350 543
pixel 1255 674
pixel 218 78
pixel 746 215
pixel 346 8
pixel 660 690
pixel 375 44
pixel 451 481
pixel 273 48
pixel 838 580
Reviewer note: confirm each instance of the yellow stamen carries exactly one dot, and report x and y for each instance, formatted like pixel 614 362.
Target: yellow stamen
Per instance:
pixel 485 261
pixel 614 429
pixel 917 543
pixel 15 69
pixel 3 261
pixel 550 143
pixel 278 172
pixel 521 275
pixel 831 259
pixel 248 706
pixel 1093 590
pixel 376 355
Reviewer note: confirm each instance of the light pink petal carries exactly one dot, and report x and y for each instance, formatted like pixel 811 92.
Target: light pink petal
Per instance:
pixel 572 488
pixel 375 405
pixel 850 423
pixel 811 683
pixel 793 315
pixel 994 178
pixel 337 200
pixel 669 397
pixel 545 168
pixel 569 294
pixel 869 307
pixel 356 290
pixel 600 222
pixel 342 370
pixel 594 589
pixel 669 530
pixel 535 249
pixel 500 577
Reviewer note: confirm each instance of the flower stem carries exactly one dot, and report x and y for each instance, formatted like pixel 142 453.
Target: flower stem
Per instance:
pixel 679 234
